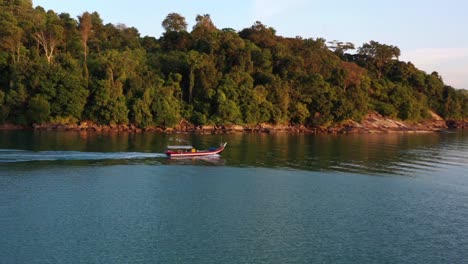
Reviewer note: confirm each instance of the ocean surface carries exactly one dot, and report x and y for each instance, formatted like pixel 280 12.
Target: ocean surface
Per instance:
pixel 71 197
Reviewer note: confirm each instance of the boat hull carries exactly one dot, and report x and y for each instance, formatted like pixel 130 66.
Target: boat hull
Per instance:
pixel 174 154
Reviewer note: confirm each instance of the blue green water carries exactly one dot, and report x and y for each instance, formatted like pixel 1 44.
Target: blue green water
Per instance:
pixel 68 197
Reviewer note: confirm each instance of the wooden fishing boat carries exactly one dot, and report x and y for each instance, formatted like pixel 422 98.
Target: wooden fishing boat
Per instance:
pixel 189 151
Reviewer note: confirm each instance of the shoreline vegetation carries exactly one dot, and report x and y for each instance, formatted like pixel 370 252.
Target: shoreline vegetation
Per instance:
pixel 63 73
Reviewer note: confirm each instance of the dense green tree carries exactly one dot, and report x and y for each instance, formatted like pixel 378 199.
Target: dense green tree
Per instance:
pixel 142 115
pixel 233 52
pixel 16 101
pixel 109 104
pixel 279 96
pixel 167 107
pixel 70 96
pixel 255 106
pixel 317 94
pixel 226 109
pixel 38 109
pixel 300 113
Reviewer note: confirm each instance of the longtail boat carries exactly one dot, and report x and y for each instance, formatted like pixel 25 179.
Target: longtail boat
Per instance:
pixel 189 151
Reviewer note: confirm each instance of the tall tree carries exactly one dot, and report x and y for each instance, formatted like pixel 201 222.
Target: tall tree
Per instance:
pixel 194 63
pixel 381 53
pixel 205 34
pixel 174 22
pixel 204 23
pixel 49 35
pixel 85 31
pixel 340 47
pixel 11 35
pixel 261 35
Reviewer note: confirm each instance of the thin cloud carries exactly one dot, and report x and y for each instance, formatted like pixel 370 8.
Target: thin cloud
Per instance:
pixel 264 10
pixel 450 63
pixel 431 55
pixel 457 78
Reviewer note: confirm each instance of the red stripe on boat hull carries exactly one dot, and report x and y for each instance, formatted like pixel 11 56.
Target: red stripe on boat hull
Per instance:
pixel 170 153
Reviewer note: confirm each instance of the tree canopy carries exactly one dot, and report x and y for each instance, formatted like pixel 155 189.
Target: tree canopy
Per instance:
pixel 54 68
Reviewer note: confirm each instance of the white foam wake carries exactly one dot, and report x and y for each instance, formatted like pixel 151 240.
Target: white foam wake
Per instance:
pixel 15 155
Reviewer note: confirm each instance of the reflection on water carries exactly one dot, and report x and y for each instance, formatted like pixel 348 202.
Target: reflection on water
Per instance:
pixel 394 153
pixel 112 198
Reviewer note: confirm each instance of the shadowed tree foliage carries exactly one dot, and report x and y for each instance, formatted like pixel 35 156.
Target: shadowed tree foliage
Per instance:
pixel 38 109
pixel 54 68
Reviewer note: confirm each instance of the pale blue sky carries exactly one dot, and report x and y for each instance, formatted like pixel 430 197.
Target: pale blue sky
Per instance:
pixel 431 34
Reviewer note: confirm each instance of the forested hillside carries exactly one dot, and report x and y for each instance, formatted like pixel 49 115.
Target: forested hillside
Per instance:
pixel 58 69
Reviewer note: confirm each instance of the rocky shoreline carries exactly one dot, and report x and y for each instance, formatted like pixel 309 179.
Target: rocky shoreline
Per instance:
pixel 372 123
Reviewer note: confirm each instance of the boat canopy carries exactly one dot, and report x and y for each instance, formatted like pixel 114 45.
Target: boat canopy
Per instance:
pixel 180 147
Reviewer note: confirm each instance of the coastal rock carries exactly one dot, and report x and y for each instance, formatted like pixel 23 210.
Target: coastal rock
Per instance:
pixel 371 123
pixel 233 128
pixel 9 126
pixel 153 129
pixel 205 129
pixel 376 123
pixel 457 123
pixel 184 126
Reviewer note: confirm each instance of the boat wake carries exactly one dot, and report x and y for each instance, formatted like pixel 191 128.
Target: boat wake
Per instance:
pixel 14 155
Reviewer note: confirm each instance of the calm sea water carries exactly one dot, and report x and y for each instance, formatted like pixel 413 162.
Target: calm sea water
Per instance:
pixel 68 197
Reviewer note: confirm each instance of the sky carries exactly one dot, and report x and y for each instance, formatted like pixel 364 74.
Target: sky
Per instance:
pixel 431 34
